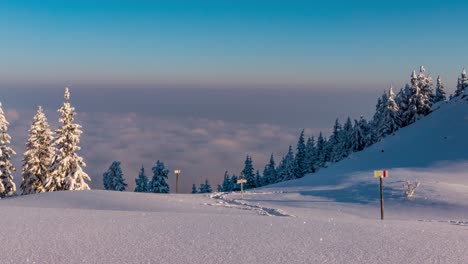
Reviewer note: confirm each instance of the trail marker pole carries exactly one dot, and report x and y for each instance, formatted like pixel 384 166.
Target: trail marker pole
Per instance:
pixel 381 174
pixel 381 199
pixel 241 182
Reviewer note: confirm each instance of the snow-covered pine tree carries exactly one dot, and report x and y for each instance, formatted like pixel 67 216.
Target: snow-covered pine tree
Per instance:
pixel 391 118
pixel 300 157
pixel 258 179
pixel 220 188
pixel 378 120
pixel 288 168
pixel 427 92
pixel 269 172
pixel 38 155
pixel 141 181
pixel 441 95
pixel 320 152
pixel 310 155
pixel 118 179
pixel 226 185
pixel 347 141
pixel 421 97
pixel 158 183
pixel 234 186
pixel 66 171
pixel 113 178
pixel 334 143
pixel 7 184
pixel 194 188
pixel 248 173
pixel 462 85
pixel 208 188
pixel 402 100
pixel 360 134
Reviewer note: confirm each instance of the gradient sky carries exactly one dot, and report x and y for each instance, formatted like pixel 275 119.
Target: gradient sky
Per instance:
pixel 200 84
pixel 356 43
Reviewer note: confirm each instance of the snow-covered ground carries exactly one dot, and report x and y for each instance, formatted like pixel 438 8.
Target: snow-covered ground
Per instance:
pixel 329 217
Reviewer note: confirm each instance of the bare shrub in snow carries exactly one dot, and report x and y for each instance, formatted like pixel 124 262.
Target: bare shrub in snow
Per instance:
pixel 410 188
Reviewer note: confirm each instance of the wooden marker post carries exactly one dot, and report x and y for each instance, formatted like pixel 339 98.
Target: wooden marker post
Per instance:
pixel 381 174
pixel 241 182
pixel 381 199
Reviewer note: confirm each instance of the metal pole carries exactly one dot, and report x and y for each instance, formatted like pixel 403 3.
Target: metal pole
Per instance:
pixel 177 183
pixel 381 199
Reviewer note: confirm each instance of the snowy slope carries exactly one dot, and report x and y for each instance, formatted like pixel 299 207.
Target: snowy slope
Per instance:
pixel 115 227
pixel 433 151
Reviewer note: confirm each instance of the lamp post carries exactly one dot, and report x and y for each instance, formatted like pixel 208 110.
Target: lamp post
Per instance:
pixel 177 172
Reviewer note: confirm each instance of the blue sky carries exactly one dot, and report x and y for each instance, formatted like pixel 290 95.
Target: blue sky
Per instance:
pixel 310 44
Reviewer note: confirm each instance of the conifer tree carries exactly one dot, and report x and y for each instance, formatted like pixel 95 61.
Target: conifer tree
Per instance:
pixel 360 134
pixel 226 185
pixel 66 171
pixel 402 100
pixel 113 178
pixel 234 186
pixel 441 95
pixel 7 184
pixel 258 179
pixel 269 172
pixel 208 188
pixel 347 141
pixel 310 155
pixel 194 188
pixel 320 150
pixel 462 85
pixel 300 157
pixel 391 116
pixel 38 155
pixel 141 181
pixel 248 173
pixel 288 166
pixel 158 183
pixel 334 143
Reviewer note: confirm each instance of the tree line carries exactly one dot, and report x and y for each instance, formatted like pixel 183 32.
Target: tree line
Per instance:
pixel 393 111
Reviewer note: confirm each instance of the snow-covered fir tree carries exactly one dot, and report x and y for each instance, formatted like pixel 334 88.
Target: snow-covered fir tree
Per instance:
pixel 7 184
pixel 113 178
pixel 269 172
pixel 321 152
pixel 141 181
pixel 158 183
pixel 360 134
pixel 194 188
pixel 440 95
pixel 421 97
pixel 226 185
pixel 390 118
pixel 287 167
pixel 258 179
pixel 334 143
pixel 402 100
pixel 248 173
pixel 300 157
pixel 234 186
pixel 66 171
pixel 205 187
pixel 38 155
pixel 462 84
pixel 310 155
pixel 347 140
